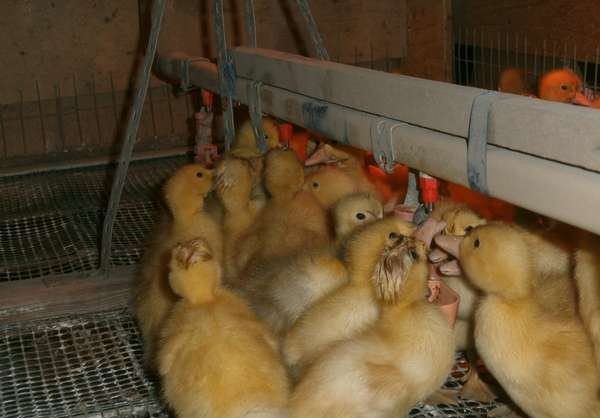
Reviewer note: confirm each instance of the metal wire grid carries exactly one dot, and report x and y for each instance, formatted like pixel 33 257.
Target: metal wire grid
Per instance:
pixel 50 222
pixel 91 365
pixel 86 365
pixel 85 121
pixel 465 408
pixel 480 56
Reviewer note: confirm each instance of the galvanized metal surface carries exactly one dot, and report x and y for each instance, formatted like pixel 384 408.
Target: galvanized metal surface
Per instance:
pixel 51 221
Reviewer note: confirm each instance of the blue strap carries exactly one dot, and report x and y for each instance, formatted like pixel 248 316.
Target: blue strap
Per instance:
pixel 226 73
pixel 477 143
pixel 255 108
pixel 313 30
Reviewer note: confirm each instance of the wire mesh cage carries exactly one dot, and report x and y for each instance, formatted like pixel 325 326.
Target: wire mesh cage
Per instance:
pixel 51 221
pixel 76 119
pixel 481 55
pixel 91 365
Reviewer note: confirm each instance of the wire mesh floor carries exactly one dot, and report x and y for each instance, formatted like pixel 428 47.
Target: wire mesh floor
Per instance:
pixel 91 365
pixel 50 222
pixel 87 365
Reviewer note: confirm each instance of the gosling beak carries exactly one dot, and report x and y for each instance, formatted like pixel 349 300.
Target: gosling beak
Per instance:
pixel 320 156
pixel 429 229
pixel 581 100
pixel 451 268
pixel 437 256
pixel 449 243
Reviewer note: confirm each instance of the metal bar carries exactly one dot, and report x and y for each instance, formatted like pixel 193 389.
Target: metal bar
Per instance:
pixel 171 121
pixel 39 100
pixel 537 184
pixel 525 61
pixel 60 117
pixel 114 99
pixel 22 122
pixel 143 79
pixel 432 104
pixel 250 20
pixel 226 73
pixel 95 102
pixel 492 86
pixel 460 58
pixel 152 116
pixel 313 30
pixel 596 65
pixel 76 97
pixel 3 132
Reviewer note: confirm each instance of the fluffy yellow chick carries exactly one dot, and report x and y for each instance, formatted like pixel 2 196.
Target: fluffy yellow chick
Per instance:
pixel 587 276
pixel 291 220
pixel 215 359
pixel 459 220
pixel 281 289
pixel 234 183
pixel 184 194
pixel 245 144
pixel 329 185
pixel 542 358
pixel 351 308
pixel 346 162
pixel 401 360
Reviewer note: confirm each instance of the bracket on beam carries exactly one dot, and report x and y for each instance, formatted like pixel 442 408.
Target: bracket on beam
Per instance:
pixel 478 140
pixel 381 140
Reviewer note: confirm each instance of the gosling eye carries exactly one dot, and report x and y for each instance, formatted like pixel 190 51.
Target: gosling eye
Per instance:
pixel 414 255
pixel 476 243
pixel 360 216
pixel 393 236
pixel 469 228
pixel 266 136
pixel 564 87
pixel 315 185
pixel 199 174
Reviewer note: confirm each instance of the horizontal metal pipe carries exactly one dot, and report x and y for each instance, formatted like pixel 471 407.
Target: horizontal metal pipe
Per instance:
pixel 566 133
pixel 180 67
pixel 566 193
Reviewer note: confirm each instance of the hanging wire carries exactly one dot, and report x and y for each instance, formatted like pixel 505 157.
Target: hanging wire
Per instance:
pixel 133 123
pixel 313 30
pixel 226 73
pixel 250 23
pixel 254 88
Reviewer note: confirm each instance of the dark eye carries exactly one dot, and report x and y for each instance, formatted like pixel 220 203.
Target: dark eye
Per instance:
pixel 414 254
pixel 266 136
pixel 469 228
pixel 315 185
pixel 564 87
pixel 476 243
pixel 360 216
pixel 199 174
pixel 393 236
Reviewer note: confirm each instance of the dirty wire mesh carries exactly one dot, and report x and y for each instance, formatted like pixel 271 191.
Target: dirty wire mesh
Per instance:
pixel 481 55
pixel 76 366
pixel 91 365
pixel 51 222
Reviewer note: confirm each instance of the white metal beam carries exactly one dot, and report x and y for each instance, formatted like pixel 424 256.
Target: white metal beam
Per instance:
pixel 567 193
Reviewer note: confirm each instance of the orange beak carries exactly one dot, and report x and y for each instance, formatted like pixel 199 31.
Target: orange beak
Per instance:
pixel 581 100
